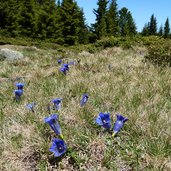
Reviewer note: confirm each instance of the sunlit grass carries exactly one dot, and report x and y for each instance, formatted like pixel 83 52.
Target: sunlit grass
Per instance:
pixel 129 86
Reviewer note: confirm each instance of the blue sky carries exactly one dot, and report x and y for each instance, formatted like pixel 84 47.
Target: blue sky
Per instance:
pixel 141 10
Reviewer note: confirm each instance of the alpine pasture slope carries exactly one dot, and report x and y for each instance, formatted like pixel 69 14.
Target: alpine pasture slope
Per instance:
pixel 116 80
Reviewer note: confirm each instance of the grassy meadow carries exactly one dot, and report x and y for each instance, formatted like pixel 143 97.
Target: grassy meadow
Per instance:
pixel 117 81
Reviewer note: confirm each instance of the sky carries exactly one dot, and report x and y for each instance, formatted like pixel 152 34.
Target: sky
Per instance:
pixel 141 10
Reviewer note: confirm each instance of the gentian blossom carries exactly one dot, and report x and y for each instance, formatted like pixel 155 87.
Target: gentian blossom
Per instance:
pixel 59 61
pixel 58 147
pixel 31 106
pixel 20 86
pixel 66 66
pixel 103 120
pixel 84 99
pixel 57 103
pixel 71 62
pixel 63 70
pixel 18 94
pixel 119 124
pixel 53 123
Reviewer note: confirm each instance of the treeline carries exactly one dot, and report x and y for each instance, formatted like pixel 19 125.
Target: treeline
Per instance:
pixel 63 21
pixel 151 28
pixel 111 22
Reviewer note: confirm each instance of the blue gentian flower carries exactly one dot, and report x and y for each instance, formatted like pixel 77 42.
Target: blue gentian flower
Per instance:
pixel 119 123
pixel 20 86
pixel 18 94
pixel 84 99
pixel 58 147
pixel 59 61
pixel 53 123
pixel 57 103
pixel 66 66
pixel 63 70
pixel 31 106
pixel 71 63
pixel 103 120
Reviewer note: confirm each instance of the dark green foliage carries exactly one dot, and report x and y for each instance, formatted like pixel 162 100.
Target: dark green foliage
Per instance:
pixel 112 19
pixel 83 29
pixel 126 23
pixel 153 25
pixel 145 30
pixel 62 23
pixel 27 17
pixel 100 24
pixel 71 19
pixel 159 52
pixel 166 28
pixel 48 26
pixel 9 13
pixel 161 31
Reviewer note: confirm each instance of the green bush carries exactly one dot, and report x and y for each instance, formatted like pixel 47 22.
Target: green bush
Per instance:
pixel 159 53
pixel 107 42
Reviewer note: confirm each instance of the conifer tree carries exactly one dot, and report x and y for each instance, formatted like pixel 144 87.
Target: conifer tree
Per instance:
pixel 166 28
pixel 100 24
pixel 131 27
pixel 145 30
pixel 153 25
pixel 161 31
pixel 112 19
pixel 47 25
pixel 27 17
pixel 83 33
pixel 70 19
pixel 9 13
pixel 126 23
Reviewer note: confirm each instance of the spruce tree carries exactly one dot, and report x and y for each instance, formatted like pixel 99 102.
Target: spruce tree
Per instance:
pixel 112 19
pixel 27 17
pixel 131 27
pixel 126 23
pixel 153 25
pixel 145 30
pixel 161 31
pixel 47 24
pixel 166 28
pixel 100 24
pixel 9 14
pixel 83 33
pixel 70 19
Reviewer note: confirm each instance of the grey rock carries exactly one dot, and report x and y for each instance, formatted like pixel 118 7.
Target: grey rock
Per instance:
pixel 8 54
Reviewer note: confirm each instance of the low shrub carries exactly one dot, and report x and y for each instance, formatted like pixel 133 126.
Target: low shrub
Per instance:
pixel 159 53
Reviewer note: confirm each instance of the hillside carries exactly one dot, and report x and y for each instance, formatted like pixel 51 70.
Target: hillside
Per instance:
pixel 116 80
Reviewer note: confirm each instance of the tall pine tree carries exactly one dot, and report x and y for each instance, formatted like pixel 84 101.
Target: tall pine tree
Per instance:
pixel 112 19
pixel 166 28
pixel 100 24
pixel 83 33
pixel 9 14
pixel 27 17
pixel 47 24
pixel 70 19
pixel 126 23
pixel 161 31
pixel 131 27
pixel 153 25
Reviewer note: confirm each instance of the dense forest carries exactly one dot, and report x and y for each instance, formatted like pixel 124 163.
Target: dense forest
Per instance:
pixel 63 22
